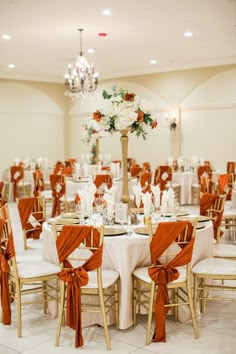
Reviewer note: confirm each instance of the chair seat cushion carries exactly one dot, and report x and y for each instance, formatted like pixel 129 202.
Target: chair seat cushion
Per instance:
pixel 224 250
pixel 109 277
pixel 34 243
pixel 215 266
pixel 34 269
pixel 142 274
pixel 29 255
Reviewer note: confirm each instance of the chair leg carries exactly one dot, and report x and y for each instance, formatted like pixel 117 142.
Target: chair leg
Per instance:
pixel 104 318
pixel 45 300
pixel 18 301
pixel 134 300
pixel 117 294
pixel 150 311
pixel 193 313
pixel 176 307
pixel 61 312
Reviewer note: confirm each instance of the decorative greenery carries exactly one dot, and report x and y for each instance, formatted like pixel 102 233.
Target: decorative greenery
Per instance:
pixel 128 111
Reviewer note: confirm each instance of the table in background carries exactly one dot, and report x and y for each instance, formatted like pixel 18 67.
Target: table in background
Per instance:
pixel 186 180
pixel 72 187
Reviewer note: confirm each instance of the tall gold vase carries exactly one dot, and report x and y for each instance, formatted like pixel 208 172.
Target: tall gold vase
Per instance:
pixel 97 151
pixel 124 148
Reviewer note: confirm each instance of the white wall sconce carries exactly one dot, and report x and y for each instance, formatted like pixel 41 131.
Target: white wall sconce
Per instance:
pixel 171 119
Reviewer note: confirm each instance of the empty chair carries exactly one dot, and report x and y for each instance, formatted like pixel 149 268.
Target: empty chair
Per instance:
pixel 18 184
pixel 171 249
pixel 25 279
pixel 82 274
pixel 163 177
pixel 32 216
pixel 212 205
pixel 204 183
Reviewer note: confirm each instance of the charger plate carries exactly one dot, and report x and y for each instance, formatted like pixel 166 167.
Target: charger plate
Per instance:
pixel 143 230
pixel 69 215
pixel 63 221
pixel 110 231
pixel 198 218
pixel 136 210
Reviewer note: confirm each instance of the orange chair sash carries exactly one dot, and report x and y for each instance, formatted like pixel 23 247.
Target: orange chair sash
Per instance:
pixel 5 256
pixel 223 181
pixel 56 180
pixel 70 237
pixel 16 179
pixel 163 274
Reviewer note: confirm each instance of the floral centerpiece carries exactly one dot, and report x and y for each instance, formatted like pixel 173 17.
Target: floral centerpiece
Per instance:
pixel 94 127
pixel 127 111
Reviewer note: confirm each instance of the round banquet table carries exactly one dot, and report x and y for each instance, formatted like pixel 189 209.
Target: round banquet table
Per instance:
pixel 186 180
pixel 124 253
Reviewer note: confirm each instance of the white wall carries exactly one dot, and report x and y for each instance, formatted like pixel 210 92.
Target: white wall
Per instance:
pixel 209 120
pixel 32 124
pixel 37 120
pixel 206 102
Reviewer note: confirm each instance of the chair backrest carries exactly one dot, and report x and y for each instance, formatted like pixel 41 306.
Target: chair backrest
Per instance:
pixel 32 215
pixel 7 254
pixel 230 167
pixel 145 178
pixel 58 167
pixel 101 179
pixel 38 182
pixel 16 175
pixel 58 187
pixel 79 249
pixel 212 205
pixel 135 170
pixel 171 246
pixel 2 193
pixel 163 175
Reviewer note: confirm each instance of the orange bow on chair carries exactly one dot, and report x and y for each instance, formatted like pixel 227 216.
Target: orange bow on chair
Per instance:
pixel 69 238
pixel 162 274
pixel 6 253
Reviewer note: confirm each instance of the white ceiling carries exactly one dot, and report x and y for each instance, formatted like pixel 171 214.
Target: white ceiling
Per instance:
pixel 45 37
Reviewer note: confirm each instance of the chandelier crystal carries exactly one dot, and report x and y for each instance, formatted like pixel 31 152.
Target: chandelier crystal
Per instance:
pixel 82 78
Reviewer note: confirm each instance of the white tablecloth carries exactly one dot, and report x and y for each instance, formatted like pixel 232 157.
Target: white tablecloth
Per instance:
pixel 124 254
pixel 73 186
pixel 186 180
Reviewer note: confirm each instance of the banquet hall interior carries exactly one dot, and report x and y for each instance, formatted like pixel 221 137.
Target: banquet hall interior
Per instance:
pixel 179 58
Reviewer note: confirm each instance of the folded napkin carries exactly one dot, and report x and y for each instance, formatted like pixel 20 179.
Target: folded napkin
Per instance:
pixel 164 200
pixel 157 195
pixel 111 192
pixel 147 203
pixel 137 190
pixel 171 198
pixel 110 203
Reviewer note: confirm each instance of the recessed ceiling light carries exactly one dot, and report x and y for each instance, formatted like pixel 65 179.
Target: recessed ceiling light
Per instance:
pixel 106 12
pixel 11 66
pixel 188 34
pixel 91 50
pixel 6 36
pixel 153 61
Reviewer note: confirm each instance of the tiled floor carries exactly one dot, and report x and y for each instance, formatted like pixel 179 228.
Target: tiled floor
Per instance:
pixel 217 335
pixel 217 328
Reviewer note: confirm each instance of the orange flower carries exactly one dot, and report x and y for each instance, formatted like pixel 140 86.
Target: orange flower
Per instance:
pixel 140 116
pixel 97 116
pixel 154 124
pixel 129 96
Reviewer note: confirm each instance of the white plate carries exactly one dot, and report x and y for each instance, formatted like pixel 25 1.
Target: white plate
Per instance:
pixel 62 221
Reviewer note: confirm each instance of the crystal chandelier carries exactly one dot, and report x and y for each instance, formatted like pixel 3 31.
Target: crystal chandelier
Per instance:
pixel 82 78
